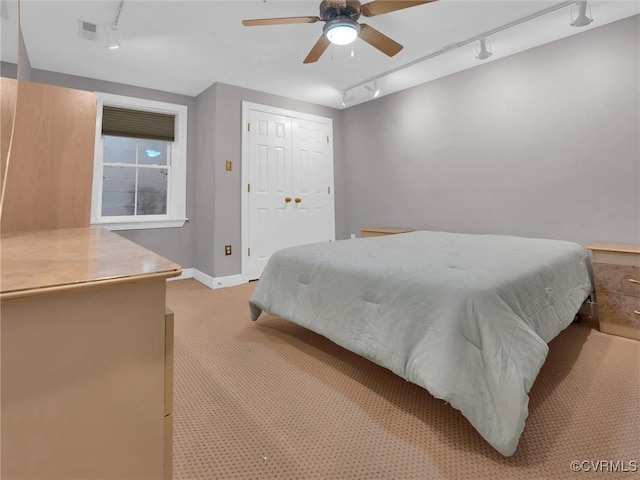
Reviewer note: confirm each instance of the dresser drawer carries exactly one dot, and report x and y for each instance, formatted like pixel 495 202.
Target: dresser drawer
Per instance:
pixel 380 231
pixel 168 360
pixel 620 309
pixel 616 257
pixel 621 279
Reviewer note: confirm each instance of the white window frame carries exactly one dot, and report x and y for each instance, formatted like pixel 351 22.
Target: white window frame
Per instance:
pixel 176 215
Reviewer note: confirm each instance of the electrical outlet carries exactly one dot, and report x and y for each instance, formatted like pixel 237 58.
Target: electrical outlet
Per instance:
pixel 353 235
pixel 227 249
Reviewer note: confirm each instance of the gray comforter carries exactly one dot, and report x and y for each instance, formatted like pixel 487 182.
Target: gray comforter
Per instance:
pixel 466 317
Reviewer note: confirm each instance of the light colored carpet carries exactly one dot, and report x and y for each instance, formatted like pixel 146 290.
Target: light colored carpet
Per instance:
pixel 271 400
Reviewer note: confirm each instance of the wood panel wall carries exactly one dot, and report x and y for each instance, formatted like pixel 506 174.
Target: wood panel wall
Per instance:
pixel 8 95
pixel 50 171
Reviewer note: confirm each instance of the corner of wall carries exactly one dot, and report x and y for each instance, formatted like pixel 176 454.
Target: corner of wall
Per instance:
pixel 24 64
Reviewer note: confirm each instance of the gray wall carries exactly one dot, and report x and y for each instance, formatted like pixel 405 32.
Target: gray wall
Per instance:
pixel 24 64
pixel 218 198
pixel 204 168
pixel 8 70
pixel 20 70
pixel 543 143
pixel 172 243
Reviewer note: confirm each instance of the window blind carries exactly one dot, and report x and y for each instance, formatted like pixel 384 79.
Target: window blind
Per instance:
pixel 123 122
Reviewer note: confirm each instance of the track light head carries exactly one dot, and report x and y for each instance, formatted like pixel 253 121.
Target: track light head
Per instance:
pixel 113 37
pixel 346 99
pixel 484 52
pixel 113 32
pixel 374 89
pixel 582 20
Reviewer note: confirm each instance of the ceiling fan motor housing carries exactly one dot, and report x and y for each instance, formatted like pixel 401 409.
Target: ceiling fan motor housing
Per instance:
pixel 330 10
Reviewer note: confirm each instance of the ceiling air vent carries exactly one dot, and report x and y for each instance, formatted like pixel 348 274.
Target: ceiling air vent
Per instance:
pixel 88 30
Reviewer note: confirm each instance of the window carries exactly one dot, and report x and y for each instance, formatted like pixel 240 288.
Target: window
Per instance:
pixel 139 176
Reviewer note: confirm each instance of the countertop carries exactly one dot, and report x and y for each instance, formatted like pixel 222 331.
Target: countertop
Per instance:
pixel 614 247
pixel 53 260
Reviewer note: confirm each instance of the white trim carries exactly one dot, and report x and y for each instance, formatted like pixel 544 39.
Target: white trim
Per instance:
pixel 177 188
pixel 186 273
pixel 217 282
pixel 137 225
pixel 209 281
pixel 244 168
pixel 246 106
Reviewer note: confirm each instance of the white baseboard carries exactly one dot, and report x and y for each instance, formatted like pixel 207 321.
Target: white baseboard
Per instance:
pixel 186 273
pixel 209 281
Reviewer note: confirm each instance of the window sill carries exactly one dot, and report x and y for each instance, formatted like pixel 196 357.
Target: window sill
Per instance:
pixel 140 225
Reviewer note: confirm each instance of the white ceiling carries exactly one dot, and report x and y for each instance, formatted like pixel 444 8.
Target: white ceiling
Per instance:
pixel 185 46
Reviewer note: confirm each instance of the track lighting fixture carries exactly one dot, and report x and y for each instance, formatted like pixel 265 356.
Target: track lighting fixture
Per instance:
pixel 113 37
pixel 374 89
pixel 347 98
pixel 484 52
pixel 113 32
pixel 581 20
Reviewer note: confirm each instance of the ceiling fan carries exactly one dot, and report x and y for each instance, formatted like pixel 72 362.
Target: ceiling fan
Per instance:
pixel 341 24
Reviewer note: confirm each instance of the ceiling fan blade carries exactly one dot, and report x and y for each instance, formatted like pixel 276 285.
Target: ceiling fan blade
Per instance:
pixel 279 21
pixel 381 6
pixel 379 40
pixel 317 50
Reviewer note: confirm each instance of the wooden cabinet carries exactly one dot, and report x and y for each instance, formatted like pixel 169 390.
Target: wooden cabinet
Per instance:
pixel 86 357
pixel 49 171
pixel 616 271
pixel 168 393
pixel 379 231
pixel 8 94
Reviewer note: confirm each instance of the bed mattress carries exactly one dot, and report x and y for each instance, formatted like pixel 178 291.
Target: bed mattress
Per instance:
pixel 467 317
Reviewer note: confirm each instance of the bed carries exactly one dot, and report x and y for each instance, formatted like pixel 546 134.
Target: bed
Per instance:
pixel 467 317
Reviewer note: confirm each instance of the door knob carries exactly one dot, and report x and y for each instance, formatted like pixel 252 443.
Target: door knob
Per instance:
pixel 298 200
pixel 287 199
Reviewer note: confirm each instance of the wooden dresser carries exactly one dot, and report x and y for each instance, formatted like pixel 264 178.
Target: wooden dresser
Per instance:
pixel 616 270
pixel 379 231
pixel 87 357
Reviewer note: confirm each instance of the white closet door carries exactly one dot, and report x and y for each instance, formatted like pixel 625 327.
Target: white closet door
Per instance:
pixel 270 184
pixel 289 199
pixel 312 214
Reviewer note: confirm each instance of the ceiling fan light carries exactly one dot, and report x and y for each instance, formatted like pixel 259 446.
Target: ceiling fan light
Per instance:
pixel 341 31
